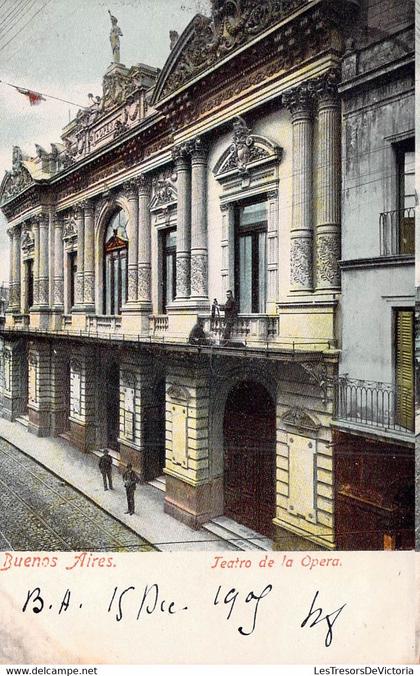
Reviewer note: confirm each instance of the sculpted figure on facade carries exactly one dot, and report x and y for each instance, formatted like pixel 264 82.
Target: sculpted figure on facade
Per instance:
pixel 114 38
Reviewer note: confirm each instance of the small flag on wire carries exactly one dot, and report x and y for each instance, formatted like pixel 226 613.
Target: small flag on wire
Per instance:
pixel 35 98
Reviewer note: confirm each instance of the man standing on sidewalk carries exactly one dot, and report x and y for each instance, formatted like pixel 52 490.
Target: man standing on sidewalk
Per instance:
pixel 130 479
pixel 105 465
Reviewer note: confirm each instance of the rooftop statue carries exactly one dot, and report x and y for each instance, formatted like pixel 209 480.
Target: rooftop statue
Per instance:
pixel 114 38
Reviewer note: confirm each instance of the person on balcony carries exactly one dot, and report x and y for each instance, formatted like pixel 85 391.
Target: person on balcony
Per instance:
pixel 197 334
pixel 215 315
pixel 231 313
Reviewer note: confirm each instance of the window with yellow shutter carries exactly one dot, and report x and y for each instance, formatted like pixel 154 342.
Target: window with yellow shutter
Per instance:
pixel 404 368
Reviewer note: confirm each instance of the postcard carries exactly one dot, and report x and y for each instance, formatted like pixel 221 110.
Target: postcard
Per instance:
pixel 207 332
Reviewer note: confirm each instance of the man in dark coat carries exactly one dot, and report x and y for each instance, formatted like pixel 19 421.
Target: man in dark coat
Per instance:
pixel 130 479
pixel 231 312
pixel 198 335
pixel 105 465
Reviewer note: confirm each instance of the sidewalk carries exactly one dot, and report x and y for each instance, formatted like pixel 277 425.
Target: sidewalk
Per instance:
pixel 81 471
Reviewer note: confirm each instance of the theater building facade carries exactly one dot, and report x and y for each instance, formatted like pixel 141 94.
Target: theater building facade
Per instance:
pixel 220 172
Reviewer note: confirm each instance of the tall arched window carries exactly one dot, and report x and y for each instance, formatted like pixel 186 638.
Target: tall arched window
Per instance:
pixel 115 264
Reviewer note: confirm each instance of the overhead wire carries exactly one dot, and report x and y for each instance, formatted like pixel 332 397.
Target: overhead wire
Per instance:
pixel 11 17
pixel 2 47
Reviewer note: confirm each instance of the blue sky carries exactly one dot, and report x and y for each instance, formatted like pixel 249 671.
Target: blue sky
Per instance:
pixel 64 51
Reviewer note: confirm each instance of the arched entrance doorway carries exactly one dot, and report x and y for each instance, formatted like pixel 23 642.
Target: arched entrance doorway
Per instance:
pixel 113 405
pixel 249 433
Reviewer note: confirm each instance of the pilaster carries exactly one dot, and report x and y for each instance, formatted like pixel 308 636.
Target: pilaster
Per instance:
pixel 82 398
pixel 191 495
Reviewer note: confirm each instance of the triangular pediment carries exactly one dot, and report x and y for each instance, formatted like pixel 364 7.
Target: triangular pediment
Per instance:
pixel 187 58
pixel 209 40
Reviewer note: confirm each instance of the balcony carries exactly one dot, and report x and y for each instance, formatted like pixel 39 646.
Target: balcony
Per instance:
pixel 375 405
pixel 245 328
pixel 159 325
pixel 103 323
pixel 397 232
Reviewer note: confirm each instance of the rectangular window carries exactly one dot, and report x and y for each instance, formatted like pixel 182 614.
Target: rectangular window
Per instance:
pixel 250 257
pixel 406 196
pixel 404 368
pixel 73 271
pixel 168 267
pixel 29 283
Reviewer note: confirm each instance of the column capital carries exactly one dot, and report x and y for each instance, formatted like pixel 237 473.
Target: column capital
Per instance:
pixel 197 150
pixel 41 220
pixel 299 100
pixel 80 207
pixel 326 88
pixel 180 155
pixel 130 189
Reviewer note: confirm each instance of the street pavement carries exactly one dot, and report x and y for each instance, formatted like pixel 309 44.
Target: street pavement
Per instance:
pixel 80 471
pixel 39 511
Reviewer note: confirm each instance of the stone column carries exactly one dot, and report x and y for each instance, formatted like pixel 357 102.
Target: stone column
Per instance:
pixel 131 192
pixel 144 243
pixel 88 261
pixel 199 256
pixel 80 222
pixel 43 295
pixel 58 295
pixel 328 196
pixel 228 247
pixel 183 231
pixel 35 229
pixel 299 102
pixel 11 279
pixel 16 265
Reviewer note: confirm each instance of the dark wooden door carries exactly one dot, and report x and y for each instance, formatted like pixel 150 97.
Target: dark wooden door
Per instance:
pixel 155 434
pixel 249 429
pixel 113 406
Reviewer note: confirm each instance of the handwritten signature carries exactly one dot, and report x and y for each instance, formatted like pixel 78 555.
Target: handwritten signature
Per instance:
pixel 243 609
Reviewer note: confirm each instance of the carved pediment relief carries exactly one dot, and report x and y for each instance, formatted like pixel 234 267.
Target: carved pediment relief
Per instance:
pixel 27 241
pixel 207 40
pixel 299 419
pixel 70 229
pixel 164 192
pixel 16 180
pixel 179 393
pixel 245 150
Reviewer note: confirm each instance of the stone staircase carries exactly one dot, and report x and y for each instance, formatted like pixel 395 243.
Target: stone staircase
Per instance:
pixel 238 537
pixel 23 420
pixel 159 482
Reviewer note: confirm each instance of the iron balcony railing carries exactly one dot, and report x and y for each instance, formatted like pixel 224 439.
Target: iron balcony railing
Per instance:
pixel 397 232
pixel 375 404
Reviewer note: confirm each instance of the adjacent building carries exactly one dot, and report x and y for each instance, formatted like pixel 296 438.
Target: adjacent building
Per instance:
pixel 374 420
pixel 224 172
